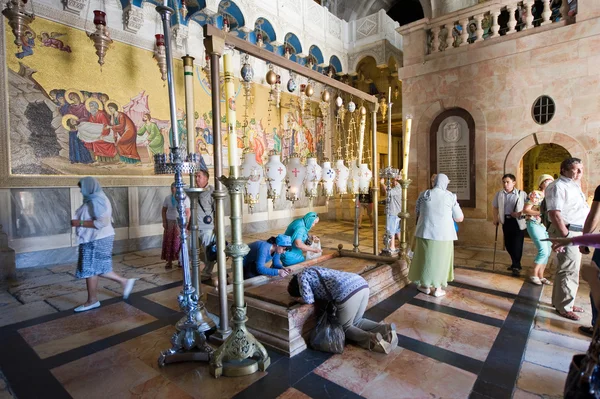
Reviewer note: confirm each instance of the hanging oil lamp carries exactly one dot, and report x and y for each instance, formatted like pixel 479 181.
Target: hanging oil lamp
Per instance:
pixel 160 54
pixel 310 63
pixel 259 40
pixel 288 52
pixel 100 37
pixel 18 18
pixel 225 24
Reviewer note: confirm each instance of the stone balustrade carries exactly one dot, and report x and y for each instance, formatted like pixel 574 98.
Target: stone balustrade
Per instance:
pixel 493 19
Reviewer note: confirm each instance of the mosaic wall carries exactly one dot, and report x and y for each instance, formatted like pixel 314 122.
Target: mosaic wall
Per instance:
pixel 69 116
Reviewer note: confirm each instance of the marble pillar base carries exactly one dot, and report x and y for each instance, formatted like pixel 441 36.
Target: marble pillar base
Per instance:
pixel 279 322
pixel 8 264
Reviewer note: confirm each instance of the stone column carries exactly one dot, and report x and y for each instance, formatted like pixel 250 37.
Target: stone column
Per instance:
pixel 8 265
pixel 495 26
pixel 479 32
pixel 435 31
pixel 464 37
pixel 529 17
pixel 450 37
pixel 547 13
pixel 512 21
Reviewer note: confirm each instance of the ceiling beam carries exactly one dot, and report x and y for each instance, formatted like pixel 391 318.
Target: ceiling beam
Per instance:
pixel 266 55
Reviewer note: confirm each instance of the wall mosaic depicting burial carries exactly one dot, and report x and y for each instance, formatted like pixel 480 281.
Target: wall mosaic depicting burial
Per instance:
pixel 68 116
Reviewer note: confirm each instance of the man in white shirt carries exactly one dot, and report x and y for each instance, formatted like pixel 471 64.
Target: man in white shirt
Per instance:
pixel 508 211
pixel 567 211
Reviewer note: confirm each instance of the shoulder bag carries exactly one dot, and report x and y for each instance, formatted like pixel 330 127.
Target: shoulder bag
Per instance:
pixel 583 379
pixel 328 335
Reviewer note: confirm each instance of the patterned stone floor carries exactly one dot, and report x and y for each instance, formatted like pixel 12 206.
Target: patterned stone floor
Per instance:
pixel 492 336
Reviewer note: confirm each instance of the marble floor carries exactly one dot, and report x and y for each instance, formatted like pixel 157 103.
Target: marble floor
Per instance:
pixel 492 336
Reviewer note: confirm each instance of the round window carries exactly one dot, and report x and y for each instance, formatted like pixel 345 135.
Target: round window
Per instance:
pixel 543 110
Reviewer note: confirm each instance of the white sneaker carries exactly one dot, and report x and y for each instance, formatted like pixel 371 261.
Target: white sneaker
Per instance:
pixel 83 308
pixel 439 292
pixel 424 290
pixel 128 287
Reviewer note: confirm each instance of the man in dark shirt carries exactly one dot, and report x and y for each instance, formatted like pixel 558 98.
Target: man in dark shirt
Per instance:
pixel 591 223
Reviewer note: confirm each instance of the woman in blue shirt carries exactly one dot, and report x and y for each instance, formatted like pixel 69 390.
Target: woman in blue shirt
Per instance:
pixel 298 231
pixel 263 252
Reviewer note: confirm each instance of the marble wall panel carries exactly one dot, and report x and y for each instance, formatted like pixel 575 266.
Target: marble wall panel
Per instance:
pixel 150 204
pixel 119 200
pixel 40 212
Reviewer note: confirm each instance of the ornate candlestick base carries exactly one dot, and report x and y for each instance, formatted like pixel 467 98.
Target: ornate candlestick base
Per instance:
pixel 189 341
pixel 388 174
pixel 240 354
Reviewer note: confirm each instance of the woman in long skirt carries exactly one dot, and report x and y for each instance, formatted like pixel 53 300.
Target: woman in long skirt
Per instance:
pixel 432 266
pixel 171 244
pixel 95 235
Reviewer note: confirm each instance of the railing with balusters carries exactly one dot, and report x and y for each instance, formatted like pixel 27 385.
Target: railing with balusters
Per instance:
pixel 489 21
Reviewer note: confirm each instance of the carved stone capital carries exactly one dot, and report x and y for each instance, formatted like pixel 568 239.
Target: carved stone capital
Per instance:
pixel 133 18
pixel 74 6
pixel 180 33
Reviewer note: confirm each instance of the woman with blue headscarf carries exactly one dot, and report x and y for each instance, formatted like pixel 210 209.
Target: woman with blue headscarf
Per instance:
pixel 95 236
pixel 298 230
pixel 432 266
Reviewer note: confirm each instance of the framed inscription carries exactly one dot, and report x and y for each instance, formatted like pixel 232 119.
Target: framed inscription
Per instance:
pixel 452 152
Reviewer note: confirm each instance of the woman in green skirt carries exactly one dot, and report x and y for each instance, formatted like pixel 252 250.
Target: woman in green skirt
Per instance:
pixel 432 266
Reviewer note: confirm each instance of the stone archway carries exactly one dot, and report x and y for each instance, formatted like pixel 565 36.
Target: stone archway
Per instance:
pixel 512 162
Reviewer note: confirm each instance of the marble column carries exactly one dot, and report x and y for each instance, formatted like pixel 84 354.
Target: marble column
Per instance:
pixel 465 32
pixel 495 26
pixel 529 17
pixel 479 32
pixel 512 21
pixel 547 13
pixel 450 37
pixel 435 31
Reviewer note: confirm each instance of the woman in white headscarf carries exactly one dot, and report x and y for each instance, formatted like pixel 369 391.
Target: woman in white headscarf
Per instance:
pixel 432 266
pixel 95 236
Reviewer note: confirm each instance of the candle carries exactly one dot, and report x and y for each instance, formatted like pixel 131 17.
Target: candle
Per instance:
pixel 230 106
pixel 187 46
pixel 390 134
pixel 389 94
pixel 406 148
pixel 165 3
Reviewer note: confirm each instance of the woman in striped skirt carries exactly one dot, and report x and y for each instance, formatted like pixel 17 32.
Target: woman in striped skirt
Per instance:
pixel 95 235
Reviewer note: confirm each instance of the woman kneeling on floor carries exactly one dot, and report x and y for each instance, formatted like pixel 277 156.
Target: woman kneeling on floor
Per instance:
pixel 263 252
pixel 350 292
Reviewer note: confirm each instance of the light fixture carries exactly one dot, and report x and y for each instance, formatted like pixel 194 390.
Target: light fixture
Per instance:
pixel 160 53
pixel 18 18
pixel 275 172
pixel 313 176
pixel 296 172
pixel 259 39
pixel 100 37
pixel 225 23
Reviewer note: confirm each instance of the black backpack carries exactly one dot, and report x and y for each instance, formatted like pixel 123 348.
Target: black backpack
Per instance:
pixel 544 214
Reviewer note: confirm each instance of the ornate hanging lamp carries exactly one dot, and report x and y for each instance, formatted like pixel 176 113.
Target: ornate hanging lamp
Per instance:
pixel 296 172
pixel 100 36
pixel 18 18
pixel 259 39
pixel 160 54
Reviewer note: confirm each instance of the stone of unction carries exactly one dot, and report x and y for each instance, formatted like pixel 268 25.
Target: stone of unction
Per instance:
pixel 8 264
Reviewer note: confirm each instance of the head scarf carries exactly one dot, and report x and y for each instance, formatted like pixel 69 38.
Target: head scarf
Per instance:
pixel 93 196
pixel 441 181
pixel 309 219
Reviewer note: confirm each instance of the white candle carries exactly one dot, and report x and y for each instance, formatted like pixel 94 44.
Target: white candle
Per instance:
pixel 406 148
pixel 230 107
pixel 389 94
pixel 390 134
pixel 187 46
pixel 165 3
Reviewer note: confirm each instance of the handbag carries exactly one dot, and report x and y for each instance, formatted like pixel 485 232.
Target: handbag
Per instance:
pixel 583 379
pixel 328 335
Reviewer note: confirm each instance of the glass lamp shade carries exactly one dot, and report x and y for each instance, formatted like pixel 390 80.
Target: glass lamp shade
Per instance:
pixel 296 172
pixel 275 172
pixel 342 173
pixel 353 182
pixel 313 176
pixel 100 17
pixel 160 39
pixel 364 180
pixel 328 178
pixel 254 172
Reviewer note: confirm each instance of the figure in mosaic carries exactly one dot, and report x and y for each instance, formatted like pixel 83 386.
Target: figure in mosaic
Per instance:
pixel 153 137
pixel 50 40
pixel 125 134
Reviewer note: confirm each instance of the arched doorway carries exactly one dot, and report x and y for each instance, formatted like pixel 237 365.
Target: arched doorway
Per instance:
pixel 541 159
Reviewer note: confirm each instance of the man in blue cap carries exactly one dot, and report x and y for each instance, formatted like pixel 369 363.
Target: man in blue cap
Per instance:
pixel 263 252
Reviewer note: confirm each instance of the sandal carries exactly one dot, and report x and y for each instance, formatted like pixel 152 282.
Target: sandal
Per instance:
pixel 535 280
pixel 545 281
pixel 577 309
pixel 569 315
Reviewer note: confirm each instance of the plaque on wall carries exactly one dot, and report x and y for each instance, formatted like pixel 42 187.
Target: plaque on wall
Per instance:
pixel 452 152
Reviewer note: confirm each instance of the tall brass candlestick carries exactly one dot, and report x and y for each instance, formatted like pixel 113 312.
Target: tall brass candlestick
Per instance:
pixel 405 182
pixel 361 142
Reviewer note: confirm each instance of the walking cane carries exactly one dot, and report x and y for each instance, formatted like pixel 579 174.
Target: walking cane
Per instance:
pixel 495 245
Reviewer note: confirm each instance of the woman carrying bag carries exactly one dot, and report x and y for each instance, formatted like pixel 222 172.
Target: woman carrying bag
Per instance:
pixel 349 294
